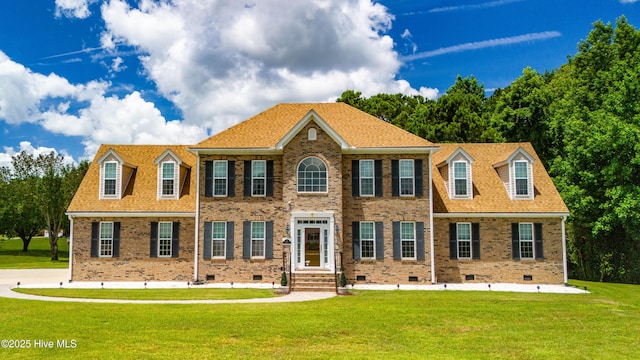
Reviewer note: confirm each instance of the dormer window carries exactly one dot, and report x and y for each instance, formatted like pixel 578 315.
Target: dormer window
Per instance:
pixel 110 177
pixel 172 175
pixel 456 171
pixel 521 176
pixel 168 178
pixel 460 178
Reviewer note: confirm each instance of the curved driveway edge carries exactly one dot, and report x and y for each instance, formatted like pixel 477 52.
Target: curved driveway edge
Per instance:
pixel 48 278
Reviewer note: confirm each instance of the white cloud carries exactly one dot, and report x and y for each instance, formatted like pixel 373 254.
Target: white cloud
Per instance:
pixel 484 44
pixel 9 152
pixel 628 1
pixel 221 62
pixel 73 8
pixel 485 5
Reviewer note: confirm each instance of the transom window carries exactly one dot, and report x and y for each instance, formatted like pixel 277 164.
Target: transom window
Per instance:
pixel 106 239
pixel 220 178
pixel 165 231
pixel 219 239
pixel 521 170
pixel 367 236
pixel 110 174
pixel 258 177
pixel 312 175
pixel 526 240
pixel 407 187
pixel 366 178
pixel 460 178
pixel 464 240
pixel 257 239
pixel 168 176
pixel 408 240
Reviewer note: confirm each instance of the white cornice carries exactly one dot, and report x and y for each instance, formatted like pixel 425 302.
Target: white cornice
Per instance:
pixel 78 214
pixel 501 215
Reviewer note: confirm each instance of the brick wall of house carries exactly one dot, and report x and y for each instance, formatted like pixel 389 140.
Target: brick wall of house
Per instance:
pixel 386 209
pixel 278 208
pixel 496 262
pixel 134 262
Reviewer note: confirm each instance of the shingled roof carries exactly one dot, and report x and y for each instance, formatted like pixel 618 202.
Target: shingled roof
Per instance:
pixel 142 193
pixel 357 128
pixel 490 194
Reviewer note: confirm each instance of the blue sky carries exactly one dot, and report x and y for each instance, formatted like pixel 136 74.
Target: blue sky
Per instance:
pixel 78 73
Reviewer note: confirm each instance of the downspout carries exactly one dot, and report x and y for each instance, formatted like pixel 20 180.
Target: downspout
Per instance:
pixel 432 247
pixel 564 252
pixel 197 230
pixel 70 247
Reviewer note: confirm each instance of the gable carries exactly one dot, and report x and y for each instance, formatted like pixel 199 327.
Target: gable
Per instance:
pixel 351 128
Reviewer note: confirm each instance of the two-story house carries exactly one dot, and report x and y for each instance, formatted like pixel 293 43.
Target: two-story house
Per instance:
pixel 317 189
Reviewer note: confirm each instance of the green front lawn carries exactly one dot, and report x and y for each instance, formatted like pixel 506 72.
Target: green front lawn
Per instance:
pixel 38 256
pixel 153 294
pixel 369 325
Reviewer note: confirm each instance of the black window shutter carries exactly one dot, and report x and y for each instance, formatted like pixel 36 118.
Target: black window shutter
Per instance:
pixel 475 240
pixel 395 178
pixel 153 243
pixel 419 240
pixel 95 238
pixel 268 246
pixel 418 176
pixel 515 240
pixel 379 241
pixel 355 231
pixel 229 240
pixel 246 239
pixel 247 178
pixel 175 240
pixel 537 228
pixel 231 178
pixel 397 253
pixel 269 190
pixel 453 241
pixel 208 178
pixel 207 239
pixel 378 177
pixel 355 177
pixel 116 239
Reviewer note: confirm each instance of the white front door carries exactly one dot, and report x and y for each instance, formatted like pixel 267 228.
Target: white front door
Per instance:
pixel 312 244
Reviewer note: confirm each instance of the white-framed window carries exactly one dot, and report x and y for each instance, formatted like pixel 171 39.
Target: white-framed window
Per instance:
pixel 407 177
pixel 367 179
pixel 219 240
pixel 168 178
pixel 312 175
pixel 110 178
pixel 165 234
pixel 521 177
pixel 106 239
pixel 464 240
pixel 220 178
pixel 367 240
pixel 525 231
pixel 408 240
pixel 258 177
pixel 460 178
pixel 312 134
pixel 257 239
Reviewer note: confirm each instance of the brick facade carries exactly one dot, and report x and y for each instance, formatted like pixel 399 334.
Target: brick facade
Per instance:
pixel 496 263
pixel 134 262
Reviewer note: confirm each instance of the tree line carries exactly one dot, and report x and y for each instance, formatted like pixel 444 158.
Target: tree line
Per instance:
pixel 583 119
pixel 34 196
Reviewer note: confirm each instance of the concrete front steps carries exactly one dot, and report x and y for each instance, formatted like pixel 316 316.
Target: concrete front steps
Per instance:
pixel 313 281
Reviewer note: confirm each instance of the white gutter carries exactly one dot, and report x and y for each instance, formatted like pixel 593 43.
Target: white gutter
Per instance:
pixel 433 263
pixel 70 247
pixel 499 215
pixel 197 232
pixel 129 214
pixel 564 252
